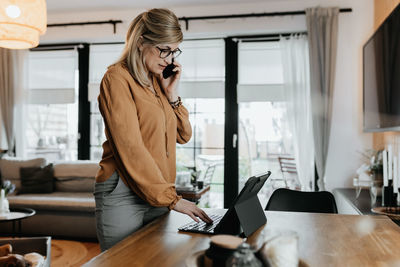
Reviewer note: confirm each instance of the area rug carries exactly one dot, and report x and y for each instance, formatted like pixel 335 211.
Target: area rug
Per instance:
pixel 67 253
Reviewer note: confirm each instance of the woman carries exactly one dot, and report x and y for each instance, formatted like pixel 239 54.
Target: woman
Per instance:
pixel 144 118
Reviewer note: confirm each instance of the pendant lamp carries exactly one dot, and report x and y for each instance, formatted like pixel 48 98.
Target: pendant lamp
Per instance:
pixel 21 23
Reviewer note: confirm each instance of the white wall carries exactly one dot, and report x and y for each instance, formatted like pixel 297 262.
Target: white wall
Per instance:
pixel 347 138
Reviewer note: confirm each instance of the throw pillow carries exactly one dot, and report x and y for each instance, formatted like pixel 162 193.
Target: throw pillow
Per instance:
pixel 10 168
pixel 37 180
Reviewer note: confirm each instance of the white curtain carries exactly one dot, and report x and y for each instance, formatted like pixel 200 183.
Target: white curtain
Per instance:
pixel 11 84
pixel 21 99
pixel 7 89
pixel 322 29
pixel 296 76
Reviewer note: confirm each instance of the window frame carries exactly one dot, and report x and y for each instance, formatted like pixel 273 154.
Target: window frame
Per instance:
pixel 81 48
pixel 231 159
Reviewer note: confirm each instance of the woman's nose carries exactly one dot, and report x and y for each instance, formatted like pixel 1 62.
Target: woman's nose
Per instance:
pixel 168 59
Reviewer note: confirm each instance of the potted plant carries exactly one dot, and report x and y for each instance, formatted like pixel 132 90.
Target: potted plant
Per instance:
pixel 375 165
pixel 6 188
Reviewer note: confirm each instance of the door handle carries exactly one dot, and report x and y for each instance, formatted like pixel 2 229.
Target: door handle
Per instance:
pixel 234 140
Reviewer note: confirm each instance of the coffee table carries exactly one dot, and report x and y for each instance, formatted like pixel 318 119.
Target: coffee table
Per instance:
pixel 16 216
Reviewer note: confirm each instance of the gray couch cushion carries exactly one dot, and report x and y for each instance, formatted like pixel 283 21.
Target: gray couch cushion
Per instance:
pixel 74 184
pixel 75 176
pixel 58 201
pixel 9 168
pixel 81 168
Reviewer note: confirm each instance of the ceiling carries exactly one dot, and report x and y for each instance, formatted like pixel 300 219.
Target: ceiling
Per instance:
pixel 62 5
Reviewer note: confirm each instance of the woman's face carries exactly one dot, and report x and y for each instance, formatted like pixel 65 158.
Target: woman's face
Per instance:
pixel 154 63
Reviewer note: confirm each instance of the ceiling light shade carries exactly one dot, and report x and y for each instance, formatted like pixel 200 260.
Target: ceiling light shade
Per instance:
pixel 21 23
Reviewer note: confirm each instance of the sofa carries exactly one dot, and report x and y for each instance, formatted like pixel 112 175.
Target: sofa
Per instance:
pixel 67 212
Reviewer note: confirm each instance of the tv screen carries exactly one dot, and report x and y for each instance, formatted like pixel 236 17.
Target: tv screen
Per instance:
pixel 381 75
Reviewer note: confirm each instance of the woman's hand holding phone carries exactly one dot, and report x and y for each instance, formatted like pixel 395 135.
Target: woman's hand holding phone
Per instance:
pixel 170 84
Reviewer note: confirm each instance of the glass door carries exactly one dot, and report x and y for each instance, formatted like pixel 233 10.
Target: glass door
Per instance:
pixel 264 134
pixel 202 91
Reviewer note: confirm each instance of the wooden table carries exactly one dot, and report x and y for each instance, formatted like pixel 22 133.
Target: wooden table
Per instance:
pixel 324 240
pixel 192 194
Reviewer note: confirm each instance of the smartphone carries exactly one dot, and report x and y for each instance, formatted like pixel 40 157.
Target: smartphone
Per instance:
pixel 167 72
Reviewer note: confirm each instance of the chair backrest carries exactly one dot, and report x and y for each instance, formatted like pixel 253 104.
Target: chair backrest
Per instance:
pixel 209 173
pixel 290 200
pixel 287 164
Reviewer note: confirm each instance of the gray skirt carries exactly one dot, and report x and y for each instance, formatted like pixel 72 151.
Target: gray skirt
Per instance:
pixel 120 212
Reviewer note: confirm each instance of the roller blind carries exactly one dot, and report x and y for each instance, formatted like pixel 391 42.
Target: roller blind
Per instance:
pixel 203 63
pixel 101 56
pixel 260 72
pixel 53 77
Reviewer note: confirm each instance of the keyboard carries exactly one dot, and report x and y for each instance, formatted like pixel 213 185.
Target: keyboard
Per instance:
pixel 202 227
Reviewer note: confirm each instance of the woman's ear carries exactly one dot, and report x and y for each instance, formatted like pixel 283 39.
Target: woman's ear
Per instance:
pixel 140 43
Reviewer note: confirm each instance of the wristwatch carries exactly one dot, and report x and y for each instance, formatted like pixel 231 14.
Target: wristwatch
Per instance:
pixel 176 103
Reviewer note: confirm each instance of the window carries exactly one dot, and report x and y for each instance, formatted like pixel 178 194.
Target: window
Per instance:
pixel 263 126
pixel 263 130
pixel 202 90
pixel 52 112
pixel 101 56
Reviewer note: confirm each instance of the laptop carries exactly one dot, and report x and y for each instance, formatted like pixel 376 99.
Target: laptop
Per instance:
pixel 245 214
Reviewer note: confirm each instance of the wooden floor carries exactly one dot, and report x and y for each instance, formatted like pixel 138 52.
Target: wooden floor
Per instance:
pixel 72 253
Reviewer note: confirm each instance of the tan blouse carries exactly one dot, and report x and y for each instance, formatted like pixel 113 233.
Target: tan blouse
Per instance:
pixel 142 130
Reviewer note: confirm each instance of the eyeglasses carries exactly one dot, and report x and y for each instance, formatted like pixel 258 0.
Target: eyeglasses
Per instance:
pixel 164 53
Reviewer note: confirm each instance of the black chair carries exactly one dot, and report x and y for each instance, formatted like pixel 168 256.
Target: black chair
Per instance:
pixel 290 200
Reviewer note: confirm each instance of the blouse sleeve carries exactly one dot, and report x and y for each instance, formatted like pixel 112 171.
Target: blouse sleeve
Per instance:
pixel 184 129
pixel 118 109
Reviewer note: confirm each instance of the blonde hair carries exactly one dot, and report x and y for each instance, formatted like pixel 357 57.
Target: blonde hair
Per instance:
pixel 156 26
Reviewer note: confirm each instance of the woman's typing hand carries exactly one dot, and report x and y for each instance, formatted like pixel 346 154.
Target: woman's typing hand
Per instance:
pixel 189 208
